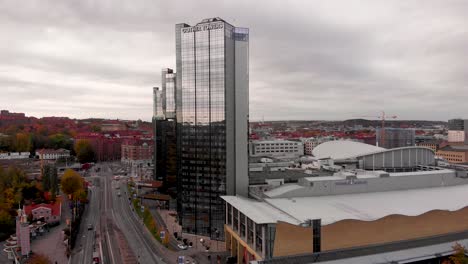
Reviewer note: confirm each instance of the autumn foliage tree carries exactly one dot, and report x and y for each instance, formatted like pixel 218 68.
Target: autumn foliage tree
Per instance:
pixel 84 151
pixel 459 257
pixel 72 183
pixel 39 259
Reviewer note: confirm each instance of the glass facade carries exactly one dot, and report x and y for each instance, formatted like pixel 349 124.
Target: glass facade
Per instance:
pixel 168 83
pixel 205 79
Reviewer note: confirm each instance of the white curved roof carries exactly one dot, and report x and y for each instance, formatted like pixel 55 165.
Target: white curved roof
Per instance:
pixel 344 149
pixel 373 206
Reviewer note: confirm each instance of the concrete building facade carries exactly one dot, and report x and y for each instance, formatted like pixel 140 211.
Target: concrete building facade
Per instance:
pixel 284 148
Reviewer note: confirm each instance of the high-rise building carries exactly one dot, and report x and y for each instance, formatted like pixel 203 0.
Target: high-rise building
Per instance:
pixel 168 81
pixel 396 137
pixel 458 130
pixel 212 102
pixel 165 130
pixel 157 116
pixel 456 124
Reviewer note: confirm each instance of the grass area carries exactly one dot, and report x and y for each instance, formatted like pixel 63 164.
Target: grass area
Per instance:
pixel 148 219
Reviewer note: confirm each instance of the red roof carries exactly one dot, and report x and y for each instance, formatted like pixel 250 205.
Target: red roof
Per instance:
pixel 55 207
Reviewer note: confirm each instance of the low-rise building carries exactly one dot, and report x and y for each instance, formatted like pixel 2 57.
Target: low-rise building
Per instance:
pixel 137 151
pixel 454 153
pixel 434 145
pixel 49 212
pixel 106 147
pixel 14 155
pixel 52 154
pixel 282 148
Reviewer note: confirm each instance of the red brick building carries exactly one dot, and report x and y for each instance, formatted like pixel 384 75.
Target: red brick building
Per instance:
pixel 137 151
pixel 106 147
pixel 7 118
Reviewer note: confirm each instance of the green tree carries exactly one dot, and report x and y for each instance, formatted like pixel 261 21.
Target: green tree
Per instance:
pixel 72 183
pixel 58 141
pixel 84 151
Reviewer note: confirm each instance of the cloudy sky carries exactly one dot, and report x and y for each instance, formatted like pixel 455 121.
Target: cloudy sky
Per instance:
pixel 308 59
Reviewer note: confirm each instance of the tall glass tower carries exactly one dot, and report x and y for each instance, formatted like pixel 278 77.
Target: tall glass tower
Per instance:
pixel 212 99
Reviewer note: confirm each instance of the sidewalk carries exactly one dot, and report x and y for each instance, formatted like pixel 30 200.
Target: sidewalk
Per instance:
pixel 173 226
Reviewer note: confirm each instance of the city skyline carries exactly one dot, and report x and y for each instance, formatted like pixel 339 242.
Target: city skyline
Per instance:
pixel 322 61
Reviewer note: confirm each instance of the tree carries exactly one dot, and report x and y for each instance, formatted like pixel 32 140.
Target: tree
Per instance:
pixel 6 143
pixel 459 257
pixel 39 259
pixel 58 141
pixel 72 183
pixel 22 142
pixel 84 151
pixel 50 179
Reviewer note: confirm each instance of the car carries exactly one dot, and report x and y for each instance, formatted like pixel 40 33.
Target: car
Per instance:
pixel 90 227
pixel 182 246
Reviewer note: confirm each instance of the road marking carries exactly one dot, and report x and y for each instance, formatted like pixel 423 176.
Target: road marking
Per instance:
pixel 110 246
pixel 100 251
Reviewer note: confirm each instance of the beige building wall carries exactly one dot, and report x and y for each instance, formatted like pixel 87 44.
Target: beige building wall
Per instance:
pixel 453 156
pixel 292 239
pixel 353 233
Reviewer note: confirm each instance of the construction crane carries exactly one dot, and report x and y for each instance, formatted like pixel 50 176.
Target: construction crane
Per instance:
pixel 382 117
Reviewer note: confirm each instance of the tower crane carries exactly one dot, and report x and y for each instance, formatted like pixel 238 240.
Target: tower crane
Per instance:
pixel 382 117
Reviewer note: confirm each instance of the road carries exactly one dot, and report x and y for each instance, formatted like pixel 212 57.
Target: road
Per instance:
pixel 140 239
pixel 118 235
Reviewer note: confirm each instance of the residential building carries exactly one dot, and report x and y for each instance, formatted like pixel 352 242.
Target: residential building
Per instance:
pixel 456 136
pixel 14 155
pixel 7 118
pixel 458 130
pixel 395 137
pixel 212 102
pixel 454 153
pixel 49 212
pixel 113 125
pixel 106 147
pixel 456 124
pixel 434 145
pixel 52 154
pixel 137 151
pixel 283 148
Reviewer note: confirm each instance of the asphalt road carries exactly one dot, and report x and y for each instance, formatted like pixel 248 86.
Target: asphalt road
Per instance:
pixel 118 235
pixel 85 242
pixel 139 238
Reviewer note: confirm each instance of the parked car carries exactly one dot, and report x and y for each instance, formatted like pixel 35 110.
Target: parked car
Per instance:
pixel 90 227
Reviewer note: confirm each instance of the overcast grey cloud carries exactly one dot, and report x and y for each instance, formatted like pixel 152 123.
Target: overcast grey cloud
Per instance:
pixel 308 59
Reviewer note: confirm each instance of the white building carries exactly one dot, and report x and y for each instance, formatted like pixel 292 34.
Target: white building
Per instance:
pixel 311 143
pixel 14 155
pixel 276 148
pixel 52 154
